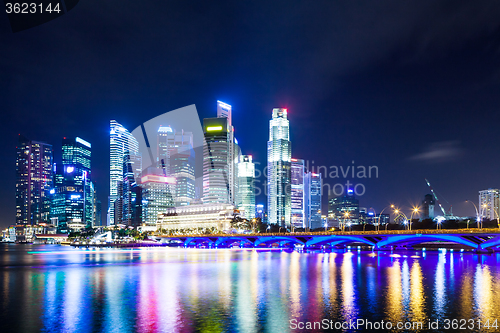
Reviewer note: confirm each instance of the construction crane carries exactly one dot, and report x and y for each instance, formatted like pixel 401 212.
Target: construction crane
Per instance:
pixel 448 215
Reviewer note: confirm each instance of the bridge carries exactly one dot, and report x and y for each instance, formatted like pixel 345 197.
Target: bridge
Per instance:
pixel 480 240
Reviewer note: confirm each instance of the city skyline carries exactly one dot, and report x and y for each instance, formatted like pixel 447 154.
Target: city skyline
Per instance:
pixel 323 170
pixel 372 97
pixel 250 166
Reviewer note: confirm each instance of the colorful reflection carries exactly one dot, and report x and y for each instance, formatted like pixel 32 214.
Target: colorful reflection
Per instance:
pixel 237 290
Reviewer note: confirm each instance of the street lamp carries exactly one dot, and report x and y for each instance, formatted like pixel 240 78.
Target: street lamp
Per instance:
pixel 482 214
pixel 346 215
pixel 380 216
pixel 415 210
pixel 477 213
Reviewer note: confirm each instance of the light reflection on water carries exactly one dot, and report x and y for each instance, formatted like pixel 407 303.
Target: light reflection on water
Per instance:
pixel 190 290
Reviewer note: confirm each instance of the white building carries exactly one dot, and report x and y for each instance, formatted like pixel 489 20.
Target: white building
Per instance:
pixel 489 204
pixel 217 216
pixel 157 196
pixel 120 142
pixel 279 169
pixel 298 195
pixel 245 197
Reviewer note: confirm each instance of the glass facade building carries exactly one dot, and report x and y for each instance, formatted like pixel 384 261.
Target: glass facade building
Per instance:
pixel 177 157
pixel 313 194
pixel 246 188
pixel 34 180
pixel 73 194
pixel 297 200
pixel 220 156
pixel 216 161
pixel 120 142
pixel 157 196
pixel 131 196
pixel 279 169
pixel 345 208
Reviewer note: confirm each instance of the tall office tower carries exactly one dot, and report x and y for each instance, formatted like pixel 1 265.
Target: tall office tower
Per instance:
pixel 489 204
pixel 345 208
pixel 428 207
pixel 297 199
pixel 245 198
pixel 73 194
pixel 313 193
pixel 177 157
pixel 279 170
pixel 157 195
pixel 34 179
pixel 225 111
pixel 77 153
pixel 131 200
pixel 216 161
pixel 120 141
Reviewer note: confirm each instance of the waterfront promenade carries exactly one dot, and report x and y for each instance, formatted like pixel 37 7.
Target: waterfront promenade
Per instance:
pixel 480 240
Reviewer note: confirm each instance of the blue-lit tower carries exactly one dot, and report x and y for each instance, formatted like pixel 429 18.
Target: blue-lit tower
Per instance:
pixel 73 200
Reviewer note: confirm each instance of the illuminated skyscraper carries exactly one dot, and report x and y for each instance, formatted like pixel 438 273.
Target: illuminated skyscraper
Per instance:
pixel 34 177
pixel 279 169
pixel 216 160
pixel 73 195
pixel 345 208
pixel 489 204
pixel 245 198
pixel 297 200
pixel 157 195
pixel 220 155
pixel 131 200
pixel 177 157
pixel 77 152
pixel 312 203
pixel 120 141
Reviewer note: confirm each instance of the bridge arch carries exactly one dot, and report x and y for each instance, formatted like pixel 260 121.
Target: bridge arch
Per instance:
pixel 267 240
pixel 228 241
pixel 421 238
pixel 336 240
pixel 197 241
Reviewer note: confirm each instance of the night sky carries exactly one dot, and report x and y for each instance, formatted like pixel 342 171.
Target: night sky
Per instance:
pixel 412 87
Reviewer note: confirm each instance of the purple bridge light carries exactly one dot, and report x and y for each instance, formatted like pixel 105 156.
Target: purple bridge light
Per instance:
pixel 481 240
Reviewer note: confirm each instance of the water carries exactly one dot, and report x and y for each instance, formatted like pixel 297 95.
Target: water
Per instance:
pixel 233 290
